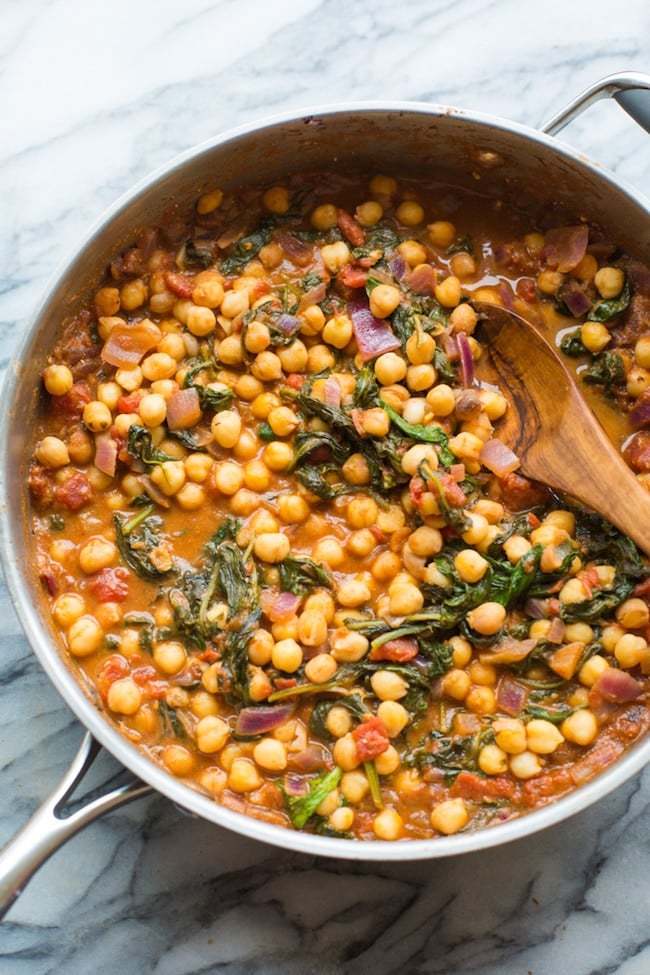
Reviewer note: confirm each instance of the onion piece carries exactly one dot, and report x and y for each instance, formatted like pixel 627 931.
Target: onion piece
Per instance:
pixel 288 324
pixel 575 298
pixel 260 720
pixel 498 458
pixel 279 606
pixel 127 344
pixel 296 249
pixel 373 335
pixel 313 296
pixel 509 651
pixel 617 686
pixel 564 247
pixel 511 696
pixel 105 454
pixel 640 412
pixel 183 409
pixel 466 359
pixel 423 280
pixel 332 391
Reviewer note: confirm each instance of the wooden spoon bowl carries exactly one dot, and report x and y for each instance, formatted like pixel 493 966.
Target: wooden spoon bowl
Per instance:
pixel 552 429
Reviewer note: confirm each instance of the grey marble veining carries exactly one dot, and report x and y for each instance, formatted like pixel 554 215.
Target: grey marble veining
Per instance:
pixel 92 97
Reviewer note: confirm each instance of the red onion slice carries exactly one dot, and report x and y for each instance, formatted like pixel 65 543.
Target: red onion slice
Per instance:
pixel 105 454
pixel 498 458
pixel 373 335
pixel 260 720
pixel 466 359
pixel 183 409
pixel 565 247
pixel 617 686
pixel 511 697
pixel 126 344
pixel 279 606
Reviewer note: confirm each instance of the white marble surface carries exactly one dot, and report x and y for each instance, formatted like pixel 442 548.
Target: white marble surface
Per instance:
pixel 93 96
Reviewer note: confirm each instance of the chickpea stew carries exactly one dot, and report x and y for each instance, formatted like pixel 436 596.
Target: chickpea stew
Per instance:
pixel 284 547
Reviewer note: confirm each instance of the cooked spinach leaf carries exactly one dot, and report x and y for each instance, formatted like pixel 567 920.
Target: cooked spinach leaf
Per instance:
pixel 300 574
pixel 604 311
pixel 246 248
pixel 138 540
pixel 139 444
pixel 302 808
pixel 607 370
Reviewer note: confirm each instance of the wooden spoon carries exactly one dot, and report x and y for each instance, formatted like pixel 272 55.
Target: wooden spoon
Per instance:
pixel 554 432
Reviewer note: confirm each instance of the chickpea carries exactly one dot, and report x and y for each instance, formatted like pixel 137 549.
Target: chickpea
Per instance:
pixel 420 378
pixel 369 213
pixel 362 512
pixel 209 202
pixel 338 331
pixel 525 765
pixel 450 816
pixel 413 252
pixel 338 722
pixel 609 281
pixel 58 380
pixel 510 735
pixel 178 760
pixel 293 509
pixel 294 357
pixel 208 289
pixel 287 655
pixel 345 752
pixel 463 265
pixel 243 776
pixel 278 456
pixel 410 213
pixel 630 650
pixel 448 292
pixel 97 417
pixel 543 737
pixel 388 825
pixel 487 618
pixel 549 282
pixel 353 593
pixel 386 566
pixel 85 636
pixel 312 628
pixel 633 613
pixel 107 301
pixel 592 669
pixel 230 350
pixel 418 455
pixel 481 700
pixel 52 452
pixel 348 646
pixel 493 760
pixel 68 607
pixel 581 727
pixel 342 819
pixel 595 336
pixel 272 547
pixel 405 599
pixel 267 367
pixel 321 668
pixel 169 476
pixel 158 365
pixel 420 348
pixel 456 684
pixel 212 733
pixel 169 656
pixel 270 754
pixel 516 547
pixel 324 216
pixel 441 233
pixel 389 760
pixel 124 696
pixel 283 421
pixel 470 565
pixel 257 476
pixel 335 256
pixel 200 321
pixel 388 686
pixel 384 299
pixel 133 294
pixel 276 199
pixel 98 553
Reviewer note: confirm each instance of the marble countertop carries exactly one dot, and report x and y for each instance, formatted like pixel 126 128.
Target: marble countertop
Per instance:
pixel 92 97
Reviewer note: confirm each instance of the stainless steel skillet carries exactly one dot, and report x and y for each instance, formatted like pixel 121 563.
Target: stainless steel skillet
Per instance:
pixel 507 160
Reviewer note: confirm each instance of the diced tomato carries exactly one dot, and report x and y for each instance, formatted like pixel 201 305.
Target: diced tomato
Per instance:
pixel 179 284
pixel 473 787
pixel 351 228
pixel 399 651
pixel 129 403
pixel 110 585
pixel 519 492
pixel 526 289
pixel 352 276
pixel 149 680
pixel 371 738
pixel 590 580
pixel 294 381
pixel 454 494
pixel 259 290
pixel 41 484
pixel 70 406
pixel 114 668
pixel 284 683
pixel 74 493
pixel 552 783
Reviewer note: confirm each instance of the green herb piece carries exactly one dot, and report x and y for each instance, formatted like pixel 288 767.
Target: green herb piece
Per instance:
pixel 423 434
pixel 373 781
pixel 171 720
pixel 196 252
pixel 139 444
pixel 300 574
pixel 56 522
pixel 443 366
pixel 318 718
pixel 572 345
pixel 248 247
pixel 556 715
pixel 137 540
pixel 604 311
pixel 607 370
pixel 302 808
pixel 264 432
pixel 214 399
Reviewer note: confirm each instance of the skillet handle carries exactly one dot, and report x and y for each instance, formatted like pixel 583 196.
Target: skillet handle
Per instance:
pixel 49 827
pixel 631 89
